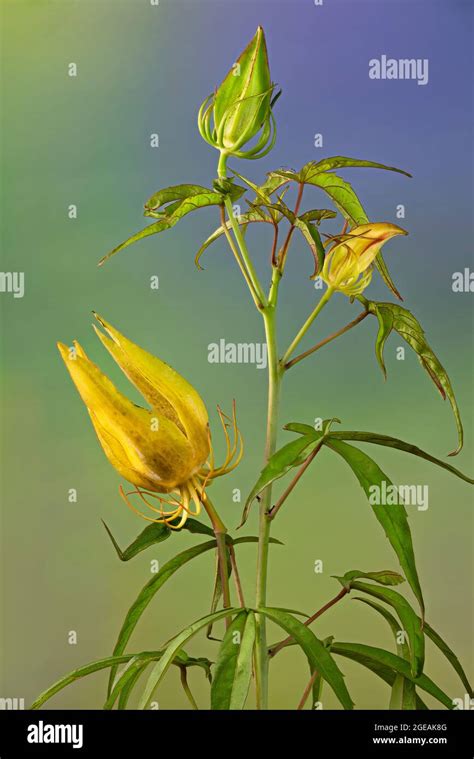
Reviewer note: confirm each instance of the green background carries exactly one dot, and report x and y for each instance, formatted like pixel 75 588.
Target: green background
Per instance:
pixel 85 141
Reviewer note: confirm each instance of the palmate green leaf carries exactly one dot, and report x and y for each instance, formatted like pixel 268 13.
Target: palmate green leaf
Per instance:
pixel 342 162
pixel 391 317
pixel 403 690
pixel 341 193
pixel 392 518
pixel 172 648
pixel 401 445
pixel 410 620
pixel 233 670
pixel 384 577
pixel 370 656
pixel 153 586
pixel 318 655
pixel 317 215
pixel 185 199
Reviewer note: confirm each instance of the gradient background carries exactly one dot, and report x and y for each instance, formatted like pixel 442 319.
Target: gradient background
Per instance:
pixel 144 69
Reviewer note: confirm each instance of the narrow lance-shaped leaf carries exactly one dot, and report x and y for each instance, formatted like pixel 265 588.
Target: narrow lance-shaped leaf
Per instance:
pixel 411 622
pixel 291 455
pixel 224 670
pixel 438 641
pixel 318 682
pixel 318 655
pixel 450 656
pixel 153 586
pixel 173 647
pixel 391 317
pixel 403 690
pixel 127 690
pixel 181 659
pixel 384 577
pixel 382 670
pixel 393 518
pixel 370 656
pixel 401 445
pixel 154 533
pixel 148 592
pixel 233 670
pixel 134 668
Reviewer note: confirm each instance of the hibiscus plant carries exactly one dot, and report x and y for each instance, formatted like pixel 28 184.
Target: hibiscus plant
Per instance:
pixel 165 451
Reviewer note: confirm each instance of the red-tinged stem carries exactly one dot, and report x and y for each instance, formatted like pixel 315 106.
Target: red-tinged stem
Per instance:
pixel 286 244
pixel 274 511
pixel 327 340
pixel 307 691
pixel 278 646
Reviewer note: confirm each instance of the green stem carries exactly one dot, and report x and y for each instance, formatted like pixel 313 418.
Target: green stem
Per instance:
pixel 237 257
pixel 321 303
pixel 268 309
pixel 274 381
pixel 252 274
pixel 220 531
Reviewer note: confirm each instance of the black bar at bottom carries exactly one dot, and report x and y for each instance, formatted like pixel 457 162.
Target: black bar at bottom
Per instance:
pixel 131 733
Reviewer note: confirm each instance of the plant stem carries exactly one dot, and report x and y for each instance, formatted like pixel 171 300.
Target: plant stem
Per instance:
pixel 237 257
pixel 252 274
pixel 307 690
pixel 274 380
pixel 220 531
pixel 286 244
pixel 286 642
pixel 276 508
pixel 327 340
pixel 235 569
pixel 321 303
